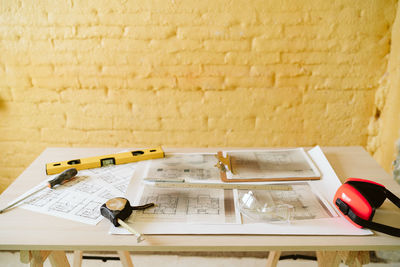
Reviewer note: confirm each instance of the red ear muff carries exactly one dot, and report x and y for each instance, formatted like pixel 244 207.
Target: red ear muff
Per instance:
pixel 357 200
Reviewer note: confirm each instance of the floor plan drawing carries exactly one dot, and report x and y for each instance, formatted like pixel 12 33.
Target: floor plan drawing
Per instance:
pixel 278 163
pixel 183 204
pixel 166 204
pixel 107 194
pixel 184 166
pixel 122 187
pixel 87 187
pixel 91 210
pixel 40 200
pixel 110 178
pixel 80 199
pixel 67 203
pixel 203 204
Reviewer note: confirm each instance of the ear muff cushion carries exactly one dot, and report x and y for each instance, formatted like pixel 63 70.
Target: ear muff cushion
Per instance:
pixel 356 202
pixel 374 193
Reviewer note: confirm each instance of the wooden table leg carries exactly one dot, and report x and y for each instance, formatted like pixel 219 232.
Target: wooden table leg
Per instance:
pixel 355 258
pixel 58 258
pixel 38 258
pixel 328 258
pixel 25 256
pixel 363 256
pixel 78 255
pixel 273 258
pixel 125 258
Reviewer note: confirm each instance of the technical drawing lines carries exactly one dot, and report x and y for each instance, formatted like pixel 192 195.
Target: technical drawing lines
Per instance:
pixel 180 204
pixel 67 203
pixel 90 210
pixel 165 204
pixel 88 187
pixel 42 200
pixel 203 204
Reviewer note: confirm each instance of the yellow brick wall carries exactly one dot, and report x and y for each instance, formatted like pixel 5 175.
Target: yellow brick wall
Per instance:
pixel 187 73
pixel 384 128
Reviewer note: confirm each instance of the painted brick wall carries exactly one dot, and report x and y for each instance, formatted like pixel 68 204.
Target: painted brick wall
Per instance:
pixel 384 127
pixel 187 73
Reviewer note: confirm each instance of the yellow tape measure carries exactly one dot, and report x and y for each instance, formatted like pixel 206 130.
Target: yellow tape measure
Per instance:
pixel 106 160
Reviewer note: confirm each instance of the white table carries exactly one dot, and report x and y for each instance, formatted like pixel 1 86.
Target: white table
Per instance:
pixel 44 235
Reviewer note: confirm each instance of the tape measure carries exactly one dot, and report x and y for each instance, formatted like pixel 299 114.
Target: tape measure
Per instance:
pixel 281 187
pixel 116 210
pixel 106 160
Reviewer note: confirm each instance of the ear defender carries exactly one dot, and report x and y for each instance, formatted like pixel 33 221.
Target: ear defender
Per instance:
pixel 357 199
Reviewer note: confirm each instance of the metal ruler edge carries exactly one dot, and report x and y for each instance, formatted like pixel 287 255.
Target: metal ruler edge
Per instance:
pixel 282 187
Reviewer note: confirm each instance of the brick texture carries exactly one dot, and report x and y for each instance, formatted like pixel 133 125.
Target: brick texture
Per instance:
pixel 384 127
pixel 184 73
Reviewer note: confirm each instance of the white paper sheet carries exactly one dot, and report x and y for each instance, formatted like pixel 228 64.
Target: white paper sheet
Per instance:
pixel 80 199
pixel 277 163
pixel 186 205
pixel 300 201
pixel 326 187
pixel 183 167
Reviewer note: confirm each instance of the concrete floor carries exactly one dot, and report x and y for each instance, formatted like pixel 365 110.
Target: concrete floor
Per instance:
pixel 11 259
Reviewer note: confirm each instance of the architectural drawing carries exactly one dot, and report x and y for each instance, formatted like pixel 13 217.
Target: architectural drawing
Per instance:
pixel 122 187
pixel 90 210
pixel 203 204
pixel 271 164
pixel 192 205
pixel 67 203
pixel 109 177
pixel 185 166
pixel 166 204
pixel 40 200
pixel 107 194
pixel 87 187
pixel 80 199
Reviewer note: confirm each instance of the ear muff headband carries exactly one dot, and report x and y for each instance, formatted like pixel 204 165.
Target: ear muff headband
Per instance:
pixel 357 199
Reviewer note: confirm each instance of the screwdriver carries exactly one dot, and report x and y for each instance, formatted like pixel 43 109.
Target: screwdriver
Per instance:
pixel 62 178
pixel 118 209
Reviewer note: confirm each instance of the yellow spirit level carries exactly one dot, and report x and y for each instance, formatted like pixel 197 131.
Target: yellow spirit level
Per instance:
pixel 106 160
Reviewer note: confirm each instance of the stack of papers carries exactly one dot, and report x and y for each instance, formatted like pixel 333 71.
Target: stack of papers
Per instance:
pixel 215 211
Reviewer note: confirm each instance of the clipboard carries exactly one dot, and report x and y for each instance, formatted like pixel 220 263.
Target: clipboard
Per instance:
pixel 231 171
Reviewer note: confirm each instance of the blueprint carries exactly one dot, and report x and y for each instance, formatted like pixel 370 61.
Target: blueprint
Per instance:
pixel 81 198
pixel 190 205
pixel 279 163
pixel 315 215
pixel 183 167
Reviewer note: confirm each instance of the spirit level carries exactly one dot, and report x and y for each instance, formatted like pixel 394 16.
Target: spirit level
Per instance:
pixel 106 160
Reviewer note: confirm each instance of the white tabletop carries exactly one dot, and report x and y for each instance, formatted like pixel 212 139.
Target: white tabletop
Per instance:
pixel 22 229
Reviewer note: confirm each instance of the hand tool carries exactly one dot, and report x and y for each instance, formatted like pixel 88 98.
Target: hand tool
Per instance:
pixel 64 177
pixel 106 160
pixel 116 210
